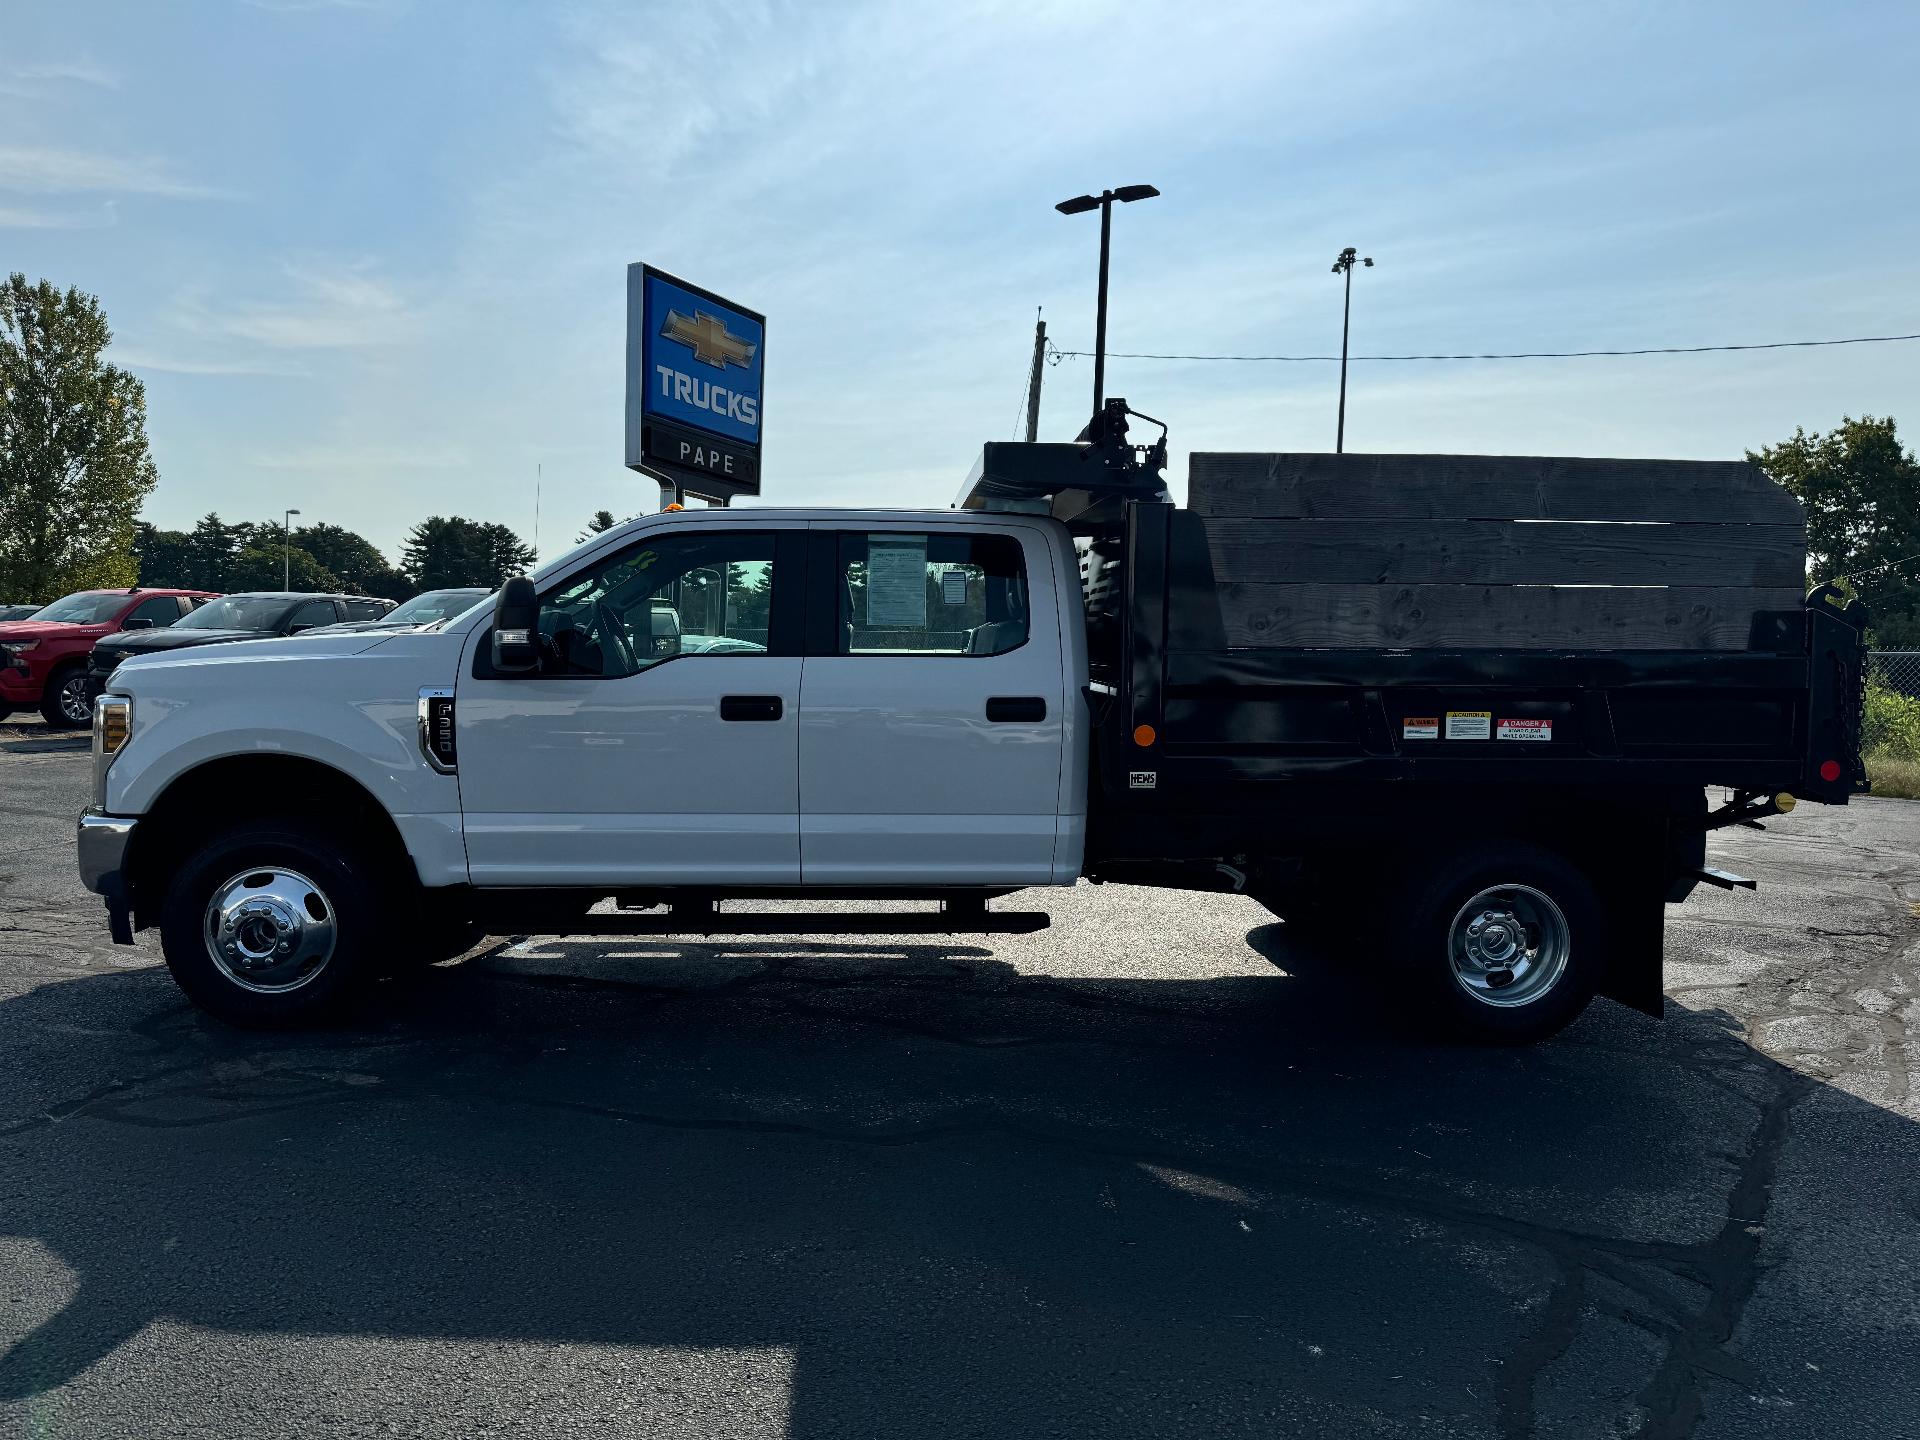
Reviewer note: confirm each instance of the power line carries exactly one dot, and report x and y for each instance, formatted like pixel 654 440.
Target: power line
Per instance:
pixel 1056 354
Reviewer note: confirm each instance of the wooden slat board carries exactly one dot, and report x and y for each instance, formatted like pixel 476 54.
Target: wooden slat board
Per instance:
pixel 1495 551
pixel 1502 552
pixel 1484 487
pixel 1507 617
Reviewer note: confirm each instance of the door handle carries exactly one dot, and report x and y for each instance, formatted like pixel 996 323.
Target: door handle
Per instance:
pixel 1014 709
pixel 750 707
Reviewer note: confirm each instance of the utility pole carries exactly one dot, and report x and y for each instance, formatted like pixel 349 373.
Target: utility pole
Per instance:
pixel 1103 202
pixel 1343 265
pixel 1033 385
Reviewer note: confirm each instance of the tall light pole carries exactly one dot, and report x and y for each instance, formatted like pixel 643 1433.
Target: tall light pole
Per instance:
pixel 1079 205
pixel 1343 265
pixel 286 549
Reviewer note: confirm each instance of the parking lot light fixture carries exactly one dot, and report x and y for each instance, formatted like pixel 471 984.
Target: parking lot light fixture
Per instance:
pixel 1103 202
pixel 286 549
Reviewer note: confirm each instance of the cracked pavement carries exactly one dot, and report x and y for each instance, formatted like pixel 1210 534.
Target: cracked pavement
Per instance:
pixel 1151 1172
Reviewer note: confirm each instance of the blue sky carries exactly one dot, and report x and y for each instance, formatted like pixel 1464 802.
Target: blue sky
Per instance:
pixel 369 255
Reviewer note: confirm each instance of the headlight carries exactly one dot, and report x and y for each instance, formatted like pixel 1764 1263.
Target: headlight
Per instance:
pixel 112 724
pixel 20 647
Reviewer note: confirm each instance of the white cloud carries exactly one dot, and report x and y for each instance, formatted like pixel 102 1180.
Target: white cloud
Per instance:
pixel 288 7
pixel 190 365
pixel 356 459
pixel 19 217
pixel 49 170
pixel 78 72
pixel 335 306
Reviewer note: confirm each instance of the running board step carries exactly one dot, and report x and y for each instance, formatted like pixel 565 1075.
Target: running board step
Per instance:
pixel 762 922
pixel 1725 879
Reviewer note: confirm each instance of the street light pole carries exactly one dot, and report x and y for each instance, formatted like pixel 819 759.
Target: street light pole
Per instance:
pixel 1343 264
pixel 1080 204
pixel 286 549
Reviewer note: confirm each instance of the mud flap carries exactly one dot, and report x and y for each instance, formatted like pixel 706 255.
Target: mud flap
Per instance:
pixel 1645 873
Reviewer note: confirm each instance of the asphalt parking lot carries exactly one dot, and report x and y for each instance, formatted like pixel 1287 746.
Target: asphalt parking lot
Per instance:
pixel 1148 1173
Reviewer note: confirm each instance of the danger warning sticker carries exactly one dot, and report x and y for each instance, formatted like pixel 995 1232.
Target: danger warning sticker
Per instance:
pixel 1525 730
pixel 1469 724
pixel 1420 727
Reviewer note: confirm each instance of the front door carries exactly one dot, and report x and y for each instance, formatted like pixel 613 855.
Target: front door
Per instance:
pixel 932 715
pixel 657 744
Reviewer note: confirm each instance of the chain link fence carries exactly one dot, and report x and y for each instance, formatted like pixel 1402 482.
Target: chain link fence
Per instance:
pixel 1895 670
pixel 1890 733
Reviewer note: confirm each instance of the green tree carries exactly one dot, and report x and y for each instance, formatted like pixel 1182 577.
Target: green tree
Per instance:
pixel 1861 492
pixel 260 567
pixel 601 522
pixel 355 561
pixel 74 462
pixel 164 557
pixel 210 551
pixel 447 550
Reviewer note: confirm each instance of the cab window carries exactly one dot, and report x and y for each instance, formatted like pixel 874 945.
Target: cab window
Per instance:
pixel 161 610
pixel 307 616
pixel 913 593
pixel 708 596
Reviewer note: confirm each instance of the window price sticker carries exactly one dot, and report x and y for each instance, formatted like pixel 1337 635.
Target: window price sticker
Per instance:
pixel 1525 730
pixel 1469 724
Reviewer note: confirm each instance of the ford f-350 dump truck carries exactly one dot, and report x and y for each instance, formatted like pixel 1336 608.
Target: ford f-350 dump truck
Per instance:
pixel 1455 717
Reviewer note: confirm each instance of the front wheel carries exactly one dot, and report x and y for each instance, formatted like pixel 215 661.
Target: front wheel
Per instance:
pixel 271 923
pixel 1503 942
pixel 65 704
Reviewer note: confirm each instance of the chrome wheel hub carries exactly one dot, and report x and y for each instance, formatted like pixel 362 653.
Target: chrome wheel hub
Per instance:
pixel 73 700
pixel 270 930
pixel 1509 945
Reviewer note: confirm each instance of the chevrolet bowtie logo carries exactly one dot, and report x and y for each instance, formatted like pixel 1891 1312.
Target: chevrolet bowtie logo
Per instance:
pixel 712 342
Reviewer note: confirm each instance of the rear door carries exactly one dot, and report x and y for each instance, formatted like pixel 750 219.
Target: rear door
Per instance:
pixel 932 710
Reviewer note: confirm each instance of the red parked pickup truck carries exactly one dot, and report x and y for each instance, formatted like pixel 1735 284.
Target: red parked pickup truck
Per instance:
pixel 43 659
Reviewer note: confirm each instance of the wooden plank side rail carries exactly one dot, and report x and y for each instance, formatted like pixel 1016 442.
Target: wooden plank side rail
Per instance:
pixel 1484 487
pixel 1509 552
pixel 1503 552
pixel 1496 617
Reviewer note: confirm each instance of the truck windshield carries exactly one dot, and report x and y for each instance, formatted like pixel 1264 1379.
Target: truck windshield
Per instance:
pixel 238 612
pixel 434 605
pixel 89 607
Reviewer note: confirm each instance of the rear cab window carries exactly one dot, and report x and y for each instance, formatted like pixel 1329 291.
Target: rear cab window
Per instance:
pixel 931 593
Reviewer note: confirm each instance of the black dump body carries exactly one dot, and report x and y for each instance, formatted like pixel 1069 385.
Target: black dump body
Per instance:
pixel 1323 642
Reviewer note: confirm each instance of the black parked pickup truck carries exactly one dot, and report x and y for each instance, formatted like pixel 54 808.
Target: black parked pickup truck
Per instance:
pixel 258 615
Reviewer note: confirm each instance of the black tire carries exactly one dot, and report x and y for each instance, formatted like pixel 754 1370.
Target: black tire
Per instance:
pixel 360 916
pixel 1519 873
pixel 67 686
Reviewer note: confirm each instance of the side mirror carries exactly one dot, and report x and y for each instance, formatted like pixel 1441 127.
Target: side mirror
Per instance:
pixel 516 621
pixel 138 624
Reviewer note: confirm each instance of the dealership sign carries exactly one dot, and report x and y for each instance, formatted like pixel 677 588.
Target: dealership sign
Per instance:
pixel 695 364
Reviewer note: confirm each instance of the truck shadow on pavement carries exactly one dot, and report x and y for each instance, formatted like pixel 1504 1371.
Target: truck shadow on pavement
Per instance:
pixel 963 1198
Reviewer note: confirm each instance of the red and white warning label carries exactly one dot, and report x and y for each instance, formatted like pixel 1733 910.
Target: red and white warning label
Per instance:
pixel 1524 730
pixel 1420 727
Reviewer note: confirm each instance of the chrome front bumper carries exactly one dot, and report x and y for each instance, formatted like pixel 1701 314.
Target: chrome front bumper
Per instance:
pixel 102 845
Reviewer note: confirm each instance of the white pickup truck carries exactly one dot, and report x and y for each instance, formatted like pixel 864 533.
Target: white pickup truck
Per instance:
pixel 947 705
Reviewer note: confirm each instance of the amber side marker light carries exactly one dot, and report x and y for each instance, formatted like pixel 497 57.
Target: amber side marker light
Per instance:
pixel 1144 735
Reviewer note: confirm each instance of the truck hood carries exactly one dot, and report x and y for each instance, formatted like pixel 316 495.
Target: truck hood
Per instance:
pixel 145 658
pixel 14 630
